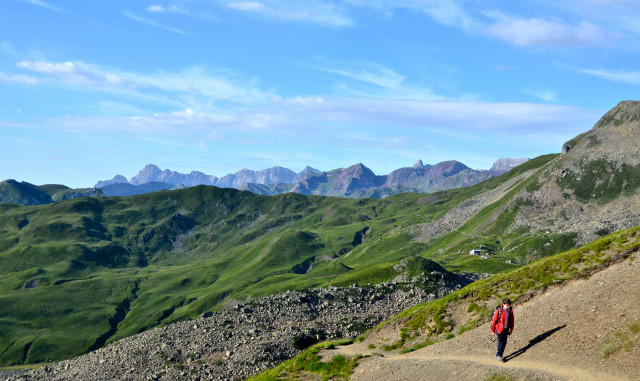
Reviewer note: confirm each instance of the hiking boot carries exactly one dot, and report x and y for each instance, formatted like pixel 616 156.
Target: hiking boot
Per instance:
pixel 499 358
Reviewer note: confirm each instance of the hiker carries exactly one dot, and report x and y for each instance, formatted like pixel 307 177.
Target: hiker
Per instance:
pixel 502 325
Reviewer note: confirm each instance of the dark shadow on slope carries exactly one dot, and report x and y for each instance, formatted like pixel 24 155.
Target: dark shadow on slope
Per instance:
pixel 121 313
pixel 533 342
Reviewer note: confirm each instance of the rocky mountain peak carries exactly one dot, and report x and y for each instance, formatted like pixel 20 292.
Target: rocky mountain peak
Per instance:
pixel 418 165
pixel 613 138
pixel 359 170
pixel 625 112
pixel 448 168
pixel 307 171
pixel 149 173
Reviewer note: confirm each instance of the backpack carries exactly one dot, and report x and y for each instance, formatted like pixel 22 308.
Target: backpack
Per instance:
pixel 499 311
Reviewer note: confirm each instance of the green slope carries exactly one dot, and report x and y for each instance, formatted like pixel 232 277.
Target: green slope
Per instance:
pixel 82 272
pixel 431 322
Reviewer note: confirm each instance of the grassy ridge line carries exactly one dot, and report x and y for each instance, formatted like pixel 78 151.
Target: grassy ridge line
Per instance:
pixel 427 323
pixel 429 320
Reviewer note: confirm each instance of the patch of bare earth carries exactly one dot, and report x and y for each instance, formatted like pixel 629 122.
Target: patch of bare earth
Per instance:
pixel 559 335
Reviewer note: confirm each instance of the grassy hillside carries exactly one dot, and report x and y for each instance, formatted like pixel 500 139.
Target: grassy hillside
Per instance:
pixel 24 193
pixel 82 272
pixel 471 306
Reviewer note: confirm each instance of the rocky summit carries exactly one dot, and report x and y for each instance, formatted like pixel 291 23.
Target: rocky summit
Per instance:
pixel 592 188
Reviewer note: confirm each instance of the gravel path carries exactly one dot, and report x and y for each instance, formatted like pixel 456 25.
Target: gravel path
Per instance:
pixel 558 335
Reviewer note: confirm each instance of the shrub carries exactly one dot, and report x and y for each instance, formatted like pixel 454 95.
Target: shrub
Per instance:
pixel 497 377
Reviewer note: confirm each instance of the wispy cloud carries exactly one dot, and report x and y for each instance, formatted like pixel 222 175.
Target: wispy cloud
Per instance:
pixel 6 47
pixel 626 77
pixel 518 30
pixel 76 73
pixel 196 86
pixel 19 78
pixel 367 72
pixel 545 33
pixel 447 12
pixel 162 9
pixel 371 80
pixel 252 6
pixel 328 14
pixel 361 129
pixel 545 95
pixel 295 116
pixel 43 4
pixel 154 23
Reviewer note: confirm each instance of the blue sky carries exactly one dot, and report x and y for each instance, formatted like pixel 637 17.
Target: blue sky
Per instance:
pixel 91 89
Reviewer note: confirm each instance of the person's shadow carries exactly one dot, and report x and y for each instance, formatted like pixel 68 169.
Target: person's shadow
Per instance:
pixel 533 342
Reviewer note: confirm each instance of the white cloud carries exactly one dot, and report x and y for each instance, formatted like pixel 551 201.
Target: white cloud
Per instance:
pixel 162 9
pixel 6 47
pixel 371 80
pixel 77 73
pixel 353 116
pixel 545 33
pixel 19 78
pixel 545 95
pixel 247 6
pixel 626 77
pixel 48 68
pixel 447 12
pixel 367 72
pixel 198 87
pixel 328 14
pixel 43 4
pixel 154 23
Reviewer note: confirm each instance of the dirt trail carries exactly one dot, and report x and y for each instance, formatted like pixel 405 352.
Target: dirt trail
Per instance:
pixel 558 335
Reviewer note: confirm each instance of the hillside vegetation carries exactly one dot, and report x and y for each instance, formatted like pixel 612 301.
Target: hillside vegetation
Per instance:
pixel 454 315
pixel 80 273
pixel 96 269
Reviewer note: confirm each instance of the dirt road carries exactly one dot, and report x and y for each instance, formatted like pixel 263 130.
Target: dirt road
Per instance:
pixel 559 335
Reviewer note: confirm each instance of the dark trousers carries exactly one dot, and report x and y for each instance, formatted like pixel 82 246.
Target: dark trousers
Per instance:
pixel 502 341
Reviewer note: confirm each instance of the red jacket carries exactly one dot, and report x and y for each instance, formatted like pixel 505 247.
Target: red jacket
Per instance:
pixel 498 325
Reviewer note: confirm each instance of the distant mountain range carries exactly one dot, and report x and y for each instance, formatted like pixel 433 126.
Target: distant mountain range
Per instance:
pixel 356 181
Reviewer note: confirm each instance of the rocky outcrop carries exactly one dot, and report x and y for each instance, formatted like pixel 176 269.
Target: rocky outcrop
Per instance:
pixel 251 336
pixel 593 188
pixel 76 193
